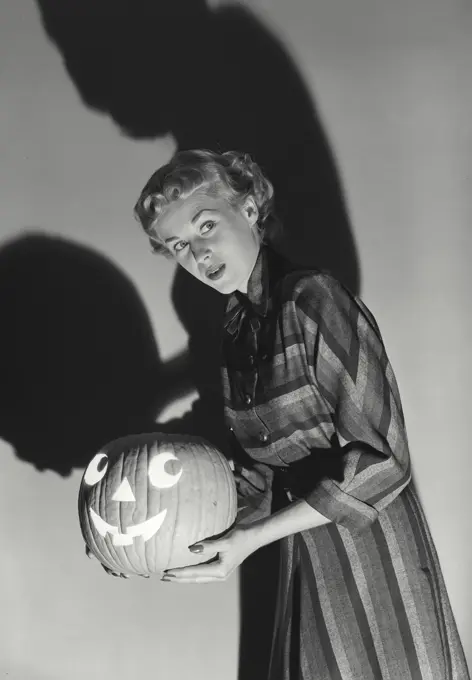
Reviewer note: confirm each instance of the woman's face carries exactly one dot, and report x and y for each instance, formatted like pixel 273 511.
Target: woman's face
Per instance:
pixel 215 242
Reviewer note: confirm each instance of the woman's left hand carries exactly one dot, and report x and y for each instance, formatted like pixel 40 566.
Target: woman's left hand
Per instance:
pixel 232 549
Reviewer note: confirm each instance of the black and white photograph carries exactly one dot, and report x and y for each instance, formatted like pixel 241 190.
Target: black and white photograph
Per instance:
pixel 235 339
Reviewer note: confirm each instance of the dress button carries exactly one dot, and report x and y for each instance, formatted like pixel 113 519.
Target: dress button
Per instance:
pixel 248 399
pixel 264 437
pixel 251 360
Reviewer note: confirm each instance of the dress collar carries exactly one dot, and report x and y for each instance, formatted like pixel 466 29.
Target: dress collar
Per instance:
pixel 257 302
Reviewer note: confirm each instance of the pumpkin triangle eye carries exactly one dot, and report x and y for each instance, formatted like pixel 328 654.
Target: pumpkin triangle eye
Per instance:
pixel 96 469
pixel 123 492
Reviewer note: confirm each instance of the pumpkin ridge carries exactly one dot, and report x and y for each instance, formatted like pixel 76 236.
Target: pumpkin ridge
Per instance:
pixel 118 474
pixel 103 512
pixel 145 559
pixel 216 528
pixel 177 514
pixel 134 564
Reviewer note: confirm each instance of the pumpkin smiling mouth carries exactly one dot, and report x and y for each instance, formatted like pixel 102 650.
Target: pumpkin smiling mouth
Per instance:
pixel 145 529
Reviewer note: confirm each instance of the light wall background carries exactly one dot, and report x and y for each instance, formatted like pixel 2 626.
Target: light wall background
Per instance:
pixel 392 82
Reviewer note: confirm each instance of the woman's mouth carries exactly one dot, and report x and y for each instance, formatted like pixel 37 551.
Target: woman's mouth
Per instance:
pixel 215 273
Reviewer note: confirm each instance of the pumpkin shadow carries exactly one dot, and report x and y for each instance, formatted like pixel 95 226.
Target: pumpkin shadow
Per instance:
pixel 218 79
pixel 78 358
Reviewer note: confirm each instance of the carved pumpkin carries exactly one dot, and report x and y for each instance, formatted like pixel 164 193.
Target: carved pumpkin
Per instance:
pixel 144 499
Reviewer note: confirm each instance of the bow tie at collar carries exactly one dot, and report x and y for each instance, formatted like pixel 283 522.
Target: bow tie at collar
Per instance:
pixel 256 303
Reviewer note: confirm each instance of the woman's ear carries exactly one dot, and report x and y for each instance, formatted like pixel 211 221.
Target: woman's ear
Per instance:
pixel 250 211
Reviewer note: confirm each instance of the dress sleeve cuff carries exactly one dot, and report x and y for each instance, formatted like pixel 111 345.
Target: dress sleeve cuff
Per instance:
pixel 340 507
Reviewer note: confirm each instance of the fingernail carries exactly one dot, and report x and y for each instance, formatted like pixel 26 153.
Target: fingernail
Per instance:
pixel 196 548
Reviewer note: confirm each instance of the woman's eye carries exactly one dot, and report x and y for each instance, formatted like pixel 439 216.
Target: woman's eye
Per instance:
pixel 207 226
pixel 179 246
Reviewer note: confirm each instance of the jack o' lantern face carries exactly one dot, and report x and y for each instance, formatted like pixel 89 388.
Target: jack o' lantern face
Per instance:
pixel 123 493
pixel 144 498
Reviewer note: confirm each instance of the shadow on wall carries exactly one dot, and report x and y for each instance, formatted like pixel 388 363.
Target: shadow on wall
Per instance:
pixel 218 79
pixel 78 358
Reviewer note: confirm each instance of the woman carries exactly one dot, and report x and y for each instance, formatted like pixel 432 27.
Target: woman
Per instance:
pixel 311 397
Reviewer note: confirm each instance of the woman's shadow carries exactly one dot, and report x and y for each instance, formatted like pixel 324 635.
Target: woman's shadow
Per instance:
pixel 78 357
pixel 216 79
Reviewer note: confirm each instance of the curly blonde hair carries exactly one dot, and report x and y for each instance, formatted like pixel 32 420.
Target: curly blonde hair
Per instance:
pixel 231 175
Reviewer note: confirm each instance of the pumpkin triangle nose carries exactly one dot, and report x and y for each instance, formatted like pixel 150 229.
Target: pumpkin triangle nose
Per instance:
pixel 123 492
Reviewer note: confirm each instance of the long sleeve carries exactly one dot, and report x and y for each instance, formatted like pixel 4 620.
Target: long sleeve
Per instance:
pixel 354 376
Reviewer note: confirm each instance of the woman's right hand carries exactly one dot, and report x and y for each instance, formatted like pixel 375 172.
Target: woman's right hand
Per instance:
pixel 250 482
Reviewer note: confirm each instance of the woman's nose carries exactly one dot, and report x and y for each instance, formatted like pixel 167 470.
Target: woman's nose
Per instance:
pixel 201 253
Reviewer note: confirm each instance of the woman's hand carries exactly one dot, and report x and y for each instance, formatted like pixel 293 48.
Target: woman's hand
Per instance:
pixel 250 482
pixel 232 549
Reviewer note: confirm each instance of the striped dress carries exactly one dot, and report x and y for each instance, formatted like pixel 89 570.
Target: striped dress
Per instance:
pixel 312 402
